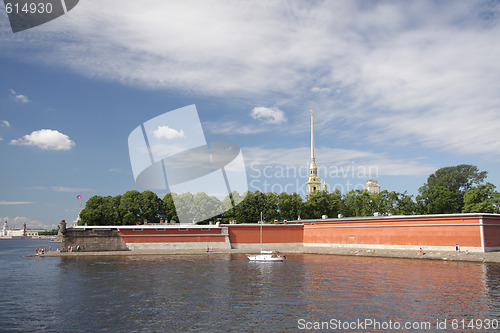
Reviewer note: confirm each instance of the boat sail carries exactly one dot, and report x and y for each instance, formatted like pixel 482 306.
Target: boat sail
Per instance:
pixel 265 255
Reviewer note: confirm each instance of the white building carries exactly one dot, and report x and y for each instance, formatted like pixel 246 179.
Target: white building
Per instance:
pixel 6 232
pixel 3 233
pixel 372 187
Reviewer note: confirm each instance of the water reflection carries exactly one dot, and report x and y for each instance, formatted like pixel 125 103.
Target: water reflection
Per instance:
pixel 229 293
pixel 200 292
pixel 400 290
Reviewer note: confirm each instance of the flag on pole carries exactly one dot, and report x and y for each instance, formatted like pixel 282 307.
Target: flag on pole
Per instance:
pixel 79 196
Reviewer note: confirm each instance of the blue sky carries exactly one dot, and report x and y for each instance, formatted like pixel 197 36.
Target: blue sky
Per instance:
pixel 399 89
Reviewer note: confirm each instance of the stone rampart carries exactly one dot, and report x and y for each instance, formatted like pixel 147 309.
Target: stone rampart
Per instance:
pixel 92 240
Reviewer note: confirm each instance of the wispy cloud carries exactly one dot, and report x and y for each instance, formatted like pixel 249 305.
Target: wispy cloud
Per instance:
pixel 423 72
pixel 15 202
pixel 19 221
pixel 320 90
pixel 62 189
pixel 70 189
pixel 332 160
pixel 4 123
pixel 19 97
pixel 232 127
pixel 45 139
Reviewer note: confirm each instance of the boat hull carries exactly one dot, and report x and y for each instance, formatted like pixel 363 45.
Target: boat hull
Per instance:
pixel 265 257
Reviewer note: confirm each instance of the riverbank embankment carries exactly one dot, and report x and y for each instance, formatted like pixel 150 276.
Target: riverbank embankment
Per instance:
pixel 490 257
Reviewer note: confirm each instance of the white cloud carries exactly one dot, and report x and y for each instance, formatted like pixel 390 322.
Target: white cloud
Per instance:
pixel 62 189
pixel 45 139
pixel 168 133
pixel 18 222
pixel 21 98
pixel 15 202
pixel 320 90
pixel 70 189
pixel 4 123
pixel 268 115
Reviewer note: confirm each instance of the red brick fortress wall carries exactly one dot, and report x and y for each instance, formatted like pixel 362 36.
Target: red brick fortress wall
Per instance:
pixel 180 234
pixel 248 235
pixel 441 232
pixel 491 232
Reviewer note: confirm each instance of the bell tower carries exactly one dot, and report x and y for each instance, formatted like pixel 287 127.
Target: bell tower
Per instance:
pixel 313 183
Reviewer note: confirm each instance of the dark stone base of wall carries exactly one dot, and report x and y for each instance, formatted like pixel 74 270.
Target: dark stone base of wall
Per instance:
pixel 92 240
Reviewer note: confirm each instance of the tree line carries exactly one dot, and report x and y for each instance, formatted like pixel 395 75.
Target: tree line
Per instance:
pixel 456 189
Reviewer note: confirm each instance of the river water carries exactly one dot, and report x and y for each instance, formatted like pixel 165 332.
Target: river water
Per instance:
pixel 213 292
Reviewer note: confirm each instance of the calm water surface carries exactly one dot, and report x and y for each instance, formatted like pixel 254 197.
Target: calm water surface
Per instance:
pixel 228 293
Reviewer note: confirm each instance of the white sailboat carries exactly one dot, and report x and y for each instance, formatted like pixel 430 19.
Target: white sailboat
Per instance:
pixel 265 255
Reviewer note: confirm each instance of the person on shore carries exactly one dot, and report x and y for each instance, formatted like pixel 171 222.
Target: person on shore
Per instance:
pixel 457 247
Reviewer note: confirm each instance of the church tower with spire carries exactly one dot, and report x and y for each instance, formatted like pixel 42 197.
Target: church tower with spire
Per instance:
pixel 313 183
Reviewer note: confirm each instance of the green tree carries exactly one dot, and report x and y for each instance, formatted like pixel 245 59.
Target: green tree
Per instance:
pixel 91 214
pixel 290 206
pixel 248 211
pixel 401 203
pixel 112 210
pixel 152 207
pixel 358 204
pixel 169 212
pixel 317 205
pixel 98 211
pixel 457 179
pixel 437 200
pixel 228 204
pixel 270 210
pixel 206 207
pixel 131 208
pixel 199 207
pixel 51 232
pixel 337 203
pixel 482 199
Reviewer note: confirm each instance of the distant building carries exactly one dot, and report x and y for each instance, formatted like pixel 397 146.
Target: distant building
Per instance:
pixel 18 233
pixel 4 230
pixel 34 233
pixel 372 187
pixel 313 183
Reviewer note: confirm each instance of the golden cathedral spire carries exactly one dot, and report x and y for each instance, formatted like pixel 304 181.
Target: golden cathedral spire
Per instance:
pixel 313 183
pixel 312 137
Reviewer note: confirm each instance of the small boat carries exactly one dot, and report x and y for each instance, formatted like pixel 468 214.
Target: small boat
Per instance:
pixel 266 256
